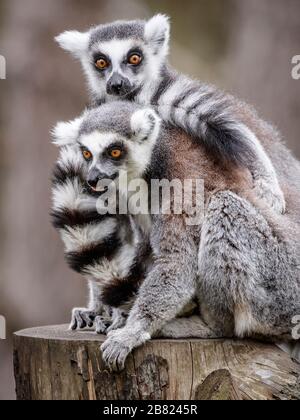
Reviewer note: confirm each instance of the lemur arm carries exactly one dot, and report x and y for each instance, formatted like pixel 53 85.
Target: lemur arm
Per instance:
pixel 168 288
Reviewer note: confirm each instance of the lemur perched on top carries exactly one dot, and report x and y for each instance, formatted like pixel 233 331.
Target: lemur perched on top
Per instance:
pixel 128 60
pixel 241 261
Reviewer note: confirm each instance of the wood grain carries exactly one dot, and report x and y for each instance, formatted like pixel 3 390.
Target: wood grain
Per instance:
pixel 52 363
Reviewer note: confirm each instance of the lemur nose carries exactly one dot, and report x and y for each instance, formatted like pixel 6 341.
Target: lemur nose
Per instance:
pixel 115 85
pixel 93 181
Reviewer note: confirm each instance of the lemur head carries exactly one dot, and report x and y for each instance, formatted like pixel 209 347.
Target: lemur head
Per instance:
pixel 121 57
pixel 115 137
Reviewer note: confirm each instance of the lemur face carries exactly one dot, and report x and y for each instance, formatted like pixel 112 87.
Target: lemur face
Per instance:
pixel 113 138
pixel 120 66
pixel 120 58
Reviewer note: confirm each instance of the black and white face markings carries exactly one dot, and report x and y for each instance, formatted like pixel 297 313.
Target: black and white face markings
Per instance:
pixel 122 70
pixel 120 58
pixel 117 138
pixel 104 155
pixel 128 54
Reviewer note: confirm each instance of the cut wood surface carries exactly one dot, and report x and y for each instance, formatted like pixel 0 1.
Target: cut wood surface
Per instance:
pixel 52 363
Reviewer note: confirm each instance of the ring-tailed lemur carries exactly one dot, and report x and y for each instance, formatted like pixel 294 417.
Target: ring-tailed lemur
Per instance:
pixel 108 250
pixel 129 60
pixel 242 262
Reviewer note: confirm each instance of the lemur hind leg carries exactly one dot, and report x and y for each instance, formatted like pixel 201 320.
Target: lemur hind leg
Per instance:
pixel 193 327
pixel 248 270
pixel 188 324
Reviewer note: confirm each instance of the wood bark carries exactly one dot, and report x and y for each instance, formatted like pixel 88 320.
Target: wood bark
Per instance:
pixel 52 363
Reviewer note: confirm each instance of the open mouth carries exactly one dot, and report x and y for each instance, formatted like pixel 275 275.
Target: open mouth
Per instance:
pixel 98 191
pixel 101 188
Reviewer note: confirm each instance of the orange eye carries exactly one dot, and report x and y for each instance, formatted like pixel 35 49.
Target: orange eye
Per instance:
pixel 87 155
pixel 135 59
pixel 116 153
pixel 101 64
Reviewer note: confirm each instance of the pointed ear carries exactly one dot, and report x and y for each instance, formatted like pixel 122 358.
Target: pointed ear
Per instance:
pixel 145 124
pixel 66 133
pixel 157 34
pixel 74 42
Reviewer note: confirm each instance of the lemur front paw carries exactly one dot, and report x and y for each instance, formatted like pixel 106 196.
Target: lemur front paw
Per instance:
pixel 119 319
pixel 271 195
pixel 106 325
pixel 82 318
pixel 102 325
pixel 119 345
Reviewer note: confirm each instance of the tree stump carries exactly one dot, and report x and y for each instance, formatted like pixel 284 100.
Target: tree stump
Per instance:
pixel 52 363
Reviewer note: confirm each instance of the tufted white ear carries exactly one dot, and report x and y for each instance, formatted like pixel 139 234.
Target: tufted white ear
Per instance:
pixel 145 124
pixel 157 34
pixel 75 42
pixel 66 133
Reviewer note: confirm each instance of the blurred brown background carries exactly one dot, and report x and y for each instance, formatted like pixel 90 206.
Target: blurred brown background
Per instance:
pixel 244 46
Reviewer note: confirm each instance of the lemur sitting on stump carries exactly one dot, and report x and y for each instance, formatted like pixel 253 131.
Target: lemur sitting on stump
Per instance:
pixel 110 250
pixel 241 262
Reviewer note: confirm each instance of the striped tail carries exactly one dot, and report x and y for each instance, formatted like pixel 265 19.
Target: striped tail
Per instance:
pixel 105 249
pixel 205 114
pixel 208 116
